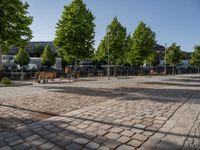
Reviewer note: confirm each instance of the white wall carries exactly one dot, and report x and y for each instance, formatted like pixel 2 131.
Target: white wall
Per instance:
pixel 8 60
pixel 183 64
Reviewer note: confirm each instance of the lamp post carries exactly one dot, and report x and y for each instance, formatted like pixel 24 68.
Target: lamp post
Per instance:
pixel 108 65
pixel 1 62
pixel 165 62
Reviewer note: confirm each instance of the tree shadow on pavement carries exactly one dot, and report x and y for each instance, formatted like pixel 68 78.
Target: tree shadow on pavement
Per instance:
pixel 161 94
pixel 69 133
pixel 171 84
pixel 185 80
pixel 84 91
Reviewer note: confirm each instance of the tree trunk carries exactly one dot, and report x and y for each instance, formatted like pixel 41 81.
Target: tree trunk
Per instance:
pixel 149 70
pixel 1 63
pixel 198 70
pixel 22 77
pixel 142 71
pixel 115 71
pixel 173 70
pixel 75 69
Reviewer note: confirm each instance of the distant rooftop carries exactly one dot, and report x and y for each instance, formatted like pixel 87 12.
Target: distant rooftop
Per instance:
pixel 33 44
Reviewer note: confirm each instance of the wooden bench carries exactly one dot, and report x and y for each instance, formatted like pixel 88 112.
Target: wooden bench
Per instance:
pixel 44 76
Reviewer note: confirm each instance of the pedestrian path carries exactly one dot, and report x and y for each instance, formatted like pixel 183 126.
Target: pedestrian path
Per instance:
pixel 138 118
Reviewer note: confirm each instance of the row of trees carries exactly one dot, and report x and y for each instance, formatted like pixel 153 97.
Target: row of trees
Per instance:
pixel 135 49
pixel 15 31
pixel 47 58
pixel 36 50
pixel 195 58
pixel 14 25
pixel 75 33
pixel 75 40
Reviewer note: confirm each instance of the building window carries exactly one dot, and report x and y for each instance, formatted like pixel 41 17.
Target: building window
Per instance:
pixel 4 57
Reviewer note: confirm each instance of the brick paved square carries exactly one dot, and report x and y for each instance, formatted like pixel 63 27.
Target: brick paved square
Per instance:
pixel 111 135
pixel 112 144
pixel 125 147
pixel 135 143
pixel 47 145
pixel 127 133
pixel 33 137
pixel 101 132
pixel 105 127
pixel 38 141
pixel 123 139
pixel 100 139
pixel 140 137
pixel 119 114
pixel 73 146
pixel 92 145
pixel 81 141
pixel 16 142
pixel 116 130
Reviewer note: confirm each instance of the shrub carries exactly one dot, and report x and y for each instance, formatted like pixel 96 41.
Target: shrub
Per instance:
pixel 5 81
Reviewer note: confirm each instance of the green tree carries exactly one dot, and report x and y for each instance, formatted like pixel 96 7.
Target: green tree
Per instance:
pixel 36 50
pixel 153 59
pixel 75 32
pixel 127 48
pixel 115 38
pixel 173 55
pixel 195 57
pixel 22 58
pixel 101 55
pixel 48 57
pixel 14 25
pixel 142 43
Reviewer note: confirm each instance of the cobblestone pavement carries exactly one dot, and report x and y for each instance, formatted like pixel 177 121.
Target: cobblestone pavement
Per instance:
pixel 193 139
pixel 19 111
pixel 125 116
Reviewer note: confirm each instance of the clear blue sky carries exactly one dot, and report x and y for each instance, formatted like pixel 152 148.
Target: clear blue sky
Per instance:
pixel 172 20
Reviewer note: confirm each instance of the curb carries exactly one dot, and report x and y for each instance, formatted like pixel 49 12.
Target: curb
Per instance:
pixel 16 85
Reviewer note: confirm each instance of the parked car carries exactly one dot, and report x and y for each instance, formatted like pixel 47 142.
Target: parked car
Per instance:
pixel 86 68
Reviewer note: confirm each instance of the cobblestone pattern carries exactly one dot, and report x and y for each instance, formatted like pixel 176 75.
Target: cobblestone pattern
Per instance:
pixel 11 118
pixel 181 131
pixel 115 124
pixel 23 110
pixel 61 101
pixel 19 111
pixel 123 119
pixel 193 140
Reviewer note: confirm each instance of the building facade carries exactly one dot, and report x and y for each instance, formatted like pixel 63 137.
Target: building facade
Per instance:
pixel 34 64
pixel 34 49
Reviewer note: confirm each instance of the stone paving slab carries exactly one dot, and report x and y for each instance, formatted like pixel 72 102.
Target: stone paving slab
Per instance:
pixel 144 118
pixel 25 105
pixel 82 128
pixel 24 110
pixel 181 132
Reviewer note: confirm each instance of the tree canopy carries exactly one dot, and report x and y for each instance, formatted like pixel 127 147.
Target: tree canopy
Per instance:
pixel 36 50
pixel 101 55
pixel 75 32
pixel 141 44
pixel 48 57
pixel 22 57
pixel 153 59
pixel 195 57
pixel 14 25
pixel 173 54
pixel 115 38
